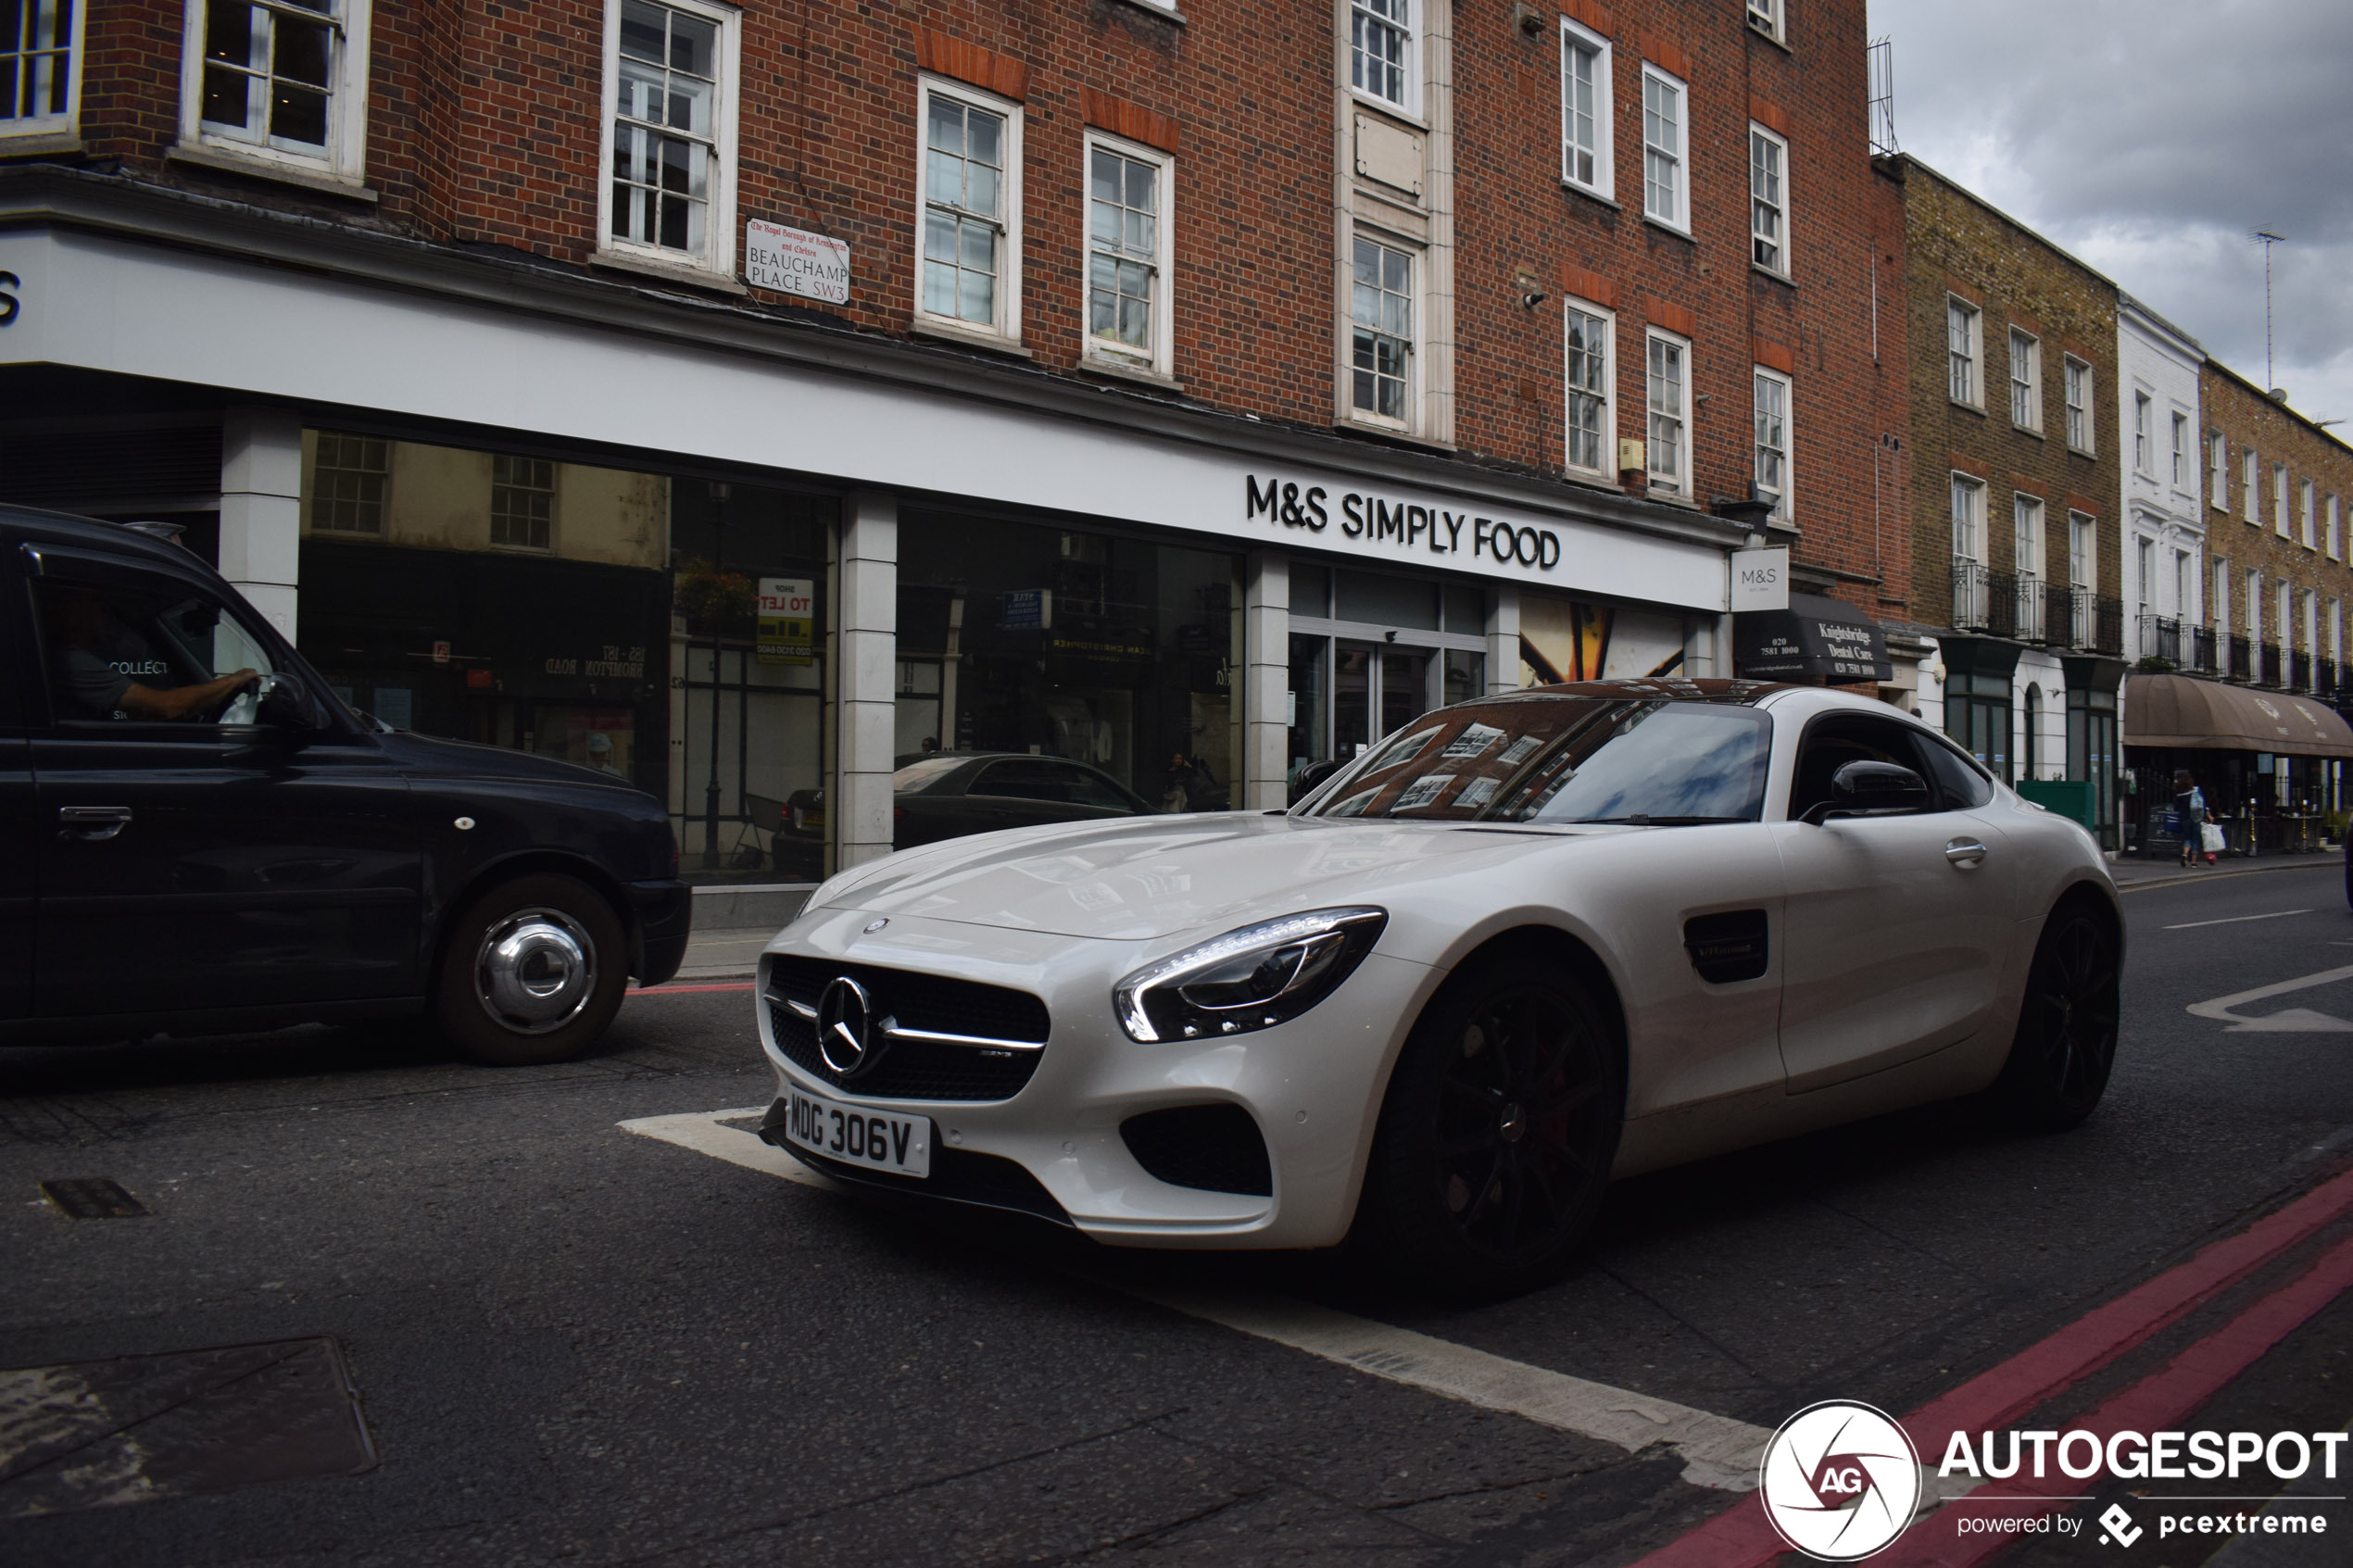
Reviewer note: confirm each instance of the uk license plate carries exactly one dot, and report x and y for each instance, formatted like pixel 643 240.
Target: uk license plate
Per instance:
pixel 855 1135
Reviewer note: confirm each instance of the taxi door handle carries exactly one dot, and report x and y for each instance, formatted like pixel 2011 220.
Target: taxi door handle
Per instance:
pixel 92 824
pixel 1964 852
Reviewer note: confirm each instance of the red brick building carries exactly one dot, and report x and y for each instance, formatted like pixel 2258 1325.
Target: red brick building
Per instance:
pixel 742 399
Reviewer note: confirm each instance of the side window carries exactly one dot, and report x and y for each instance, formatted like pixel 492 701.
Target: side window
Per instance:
pixel 1083 786
pixel 140 648
pixel 1830 744
pixel 1017 780
pixel 1954 775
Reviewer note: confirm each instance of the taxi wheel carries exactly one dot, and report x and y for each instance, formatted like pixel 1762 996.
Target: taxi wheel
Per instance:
pixel 1498 1132
pixel 2066 1042
pixel 533 971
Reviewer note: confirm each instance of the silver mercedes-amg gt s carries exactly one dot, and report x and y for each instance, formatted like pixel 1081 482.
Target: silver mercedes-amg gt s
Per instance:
pixel 1526 944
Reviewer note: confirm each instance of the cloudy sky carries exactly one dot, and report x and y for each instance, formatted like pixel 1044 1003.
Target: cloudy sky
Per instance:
pixel 2150 137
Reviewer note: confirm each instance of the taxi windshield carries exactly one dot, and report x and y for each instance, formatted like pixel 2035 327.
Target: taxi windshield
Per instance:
pixel 1563 759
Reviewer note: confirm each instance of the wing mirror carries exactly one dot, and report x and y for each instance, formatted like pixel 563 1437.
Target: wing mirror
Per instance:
pixel 1871 789
pixel 287 703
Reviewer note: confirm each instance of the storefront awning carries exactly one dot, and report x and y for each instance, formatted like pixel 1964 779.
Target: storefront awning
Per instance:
pixel 2174 710
pixel 1815 636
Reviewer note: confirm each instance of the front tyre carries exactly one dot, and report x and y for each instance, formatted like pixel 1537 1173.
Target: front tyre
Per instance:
pixel 1497 1137
pixel 2066 1042
pixel 533 971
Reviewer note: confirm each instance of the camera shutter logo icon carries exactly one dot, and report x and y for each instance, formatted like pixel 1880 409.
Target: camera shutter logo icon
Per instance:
pixel 1840 1480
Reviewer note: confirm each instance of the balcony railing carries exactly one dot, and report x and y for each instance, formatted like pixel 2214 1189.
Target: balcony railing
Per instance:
pixel 2058 617
pixel 2238 658
pixel 2161 637
pixel 2199 647
pixel 2031 598
pixel 2097 621
pixel 2324 679
pixel 2300 671
pixel 1972 596
pixel 2272 664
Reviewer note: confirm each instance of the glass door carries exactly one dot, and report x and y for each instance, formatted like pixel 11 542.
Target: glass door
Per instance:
pixel 1354 666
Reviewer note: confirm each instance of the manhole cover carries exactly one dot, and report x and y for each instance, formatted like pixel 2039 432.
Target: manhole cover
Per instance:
pixel 139 1428
pixel 91 1197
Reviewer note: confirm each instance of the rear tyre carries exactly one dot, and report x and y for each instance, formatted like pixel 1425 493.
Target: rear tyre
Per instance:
pixel 2065 1044
pixel 1498 1132
pixel 533 971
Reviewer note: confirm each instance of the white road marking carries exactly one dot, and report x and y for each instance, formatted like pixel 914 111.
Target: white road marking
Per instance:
pixel 2236 920
pixel 2294 1021
pixel 1717 1451
pixel 701 1131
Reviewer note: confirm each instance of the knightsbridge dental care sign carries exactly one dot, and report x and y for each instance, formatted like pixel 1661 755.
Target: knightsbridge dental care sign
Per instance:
pixel 794 261
pixel 1408 530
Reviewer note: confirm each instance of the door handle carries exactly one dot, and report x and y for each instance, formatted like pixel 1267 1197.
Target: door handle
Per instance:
pixel 1965 851
pixel 92 824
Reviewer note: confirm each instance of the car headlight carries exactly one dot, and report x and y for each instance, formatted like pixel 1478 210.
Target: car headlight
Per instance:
pixel 1251 978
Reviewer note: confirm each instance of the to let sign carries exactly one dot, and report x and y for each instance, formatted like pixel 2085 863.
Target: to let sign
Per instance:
pixel 788 620
pixel 794 261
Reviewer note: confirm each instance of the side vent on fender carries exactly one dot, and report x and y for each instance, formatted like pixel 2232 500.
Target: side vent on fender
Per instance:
pixel 1728 947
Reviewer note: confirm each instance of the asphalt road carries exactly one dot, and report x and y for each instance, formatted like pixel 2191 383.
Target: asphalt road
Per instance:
pixel 575 1345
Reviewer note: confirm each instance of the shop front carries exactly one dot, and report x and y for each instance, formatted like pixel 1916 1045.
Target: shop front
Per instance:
pixel 2270 765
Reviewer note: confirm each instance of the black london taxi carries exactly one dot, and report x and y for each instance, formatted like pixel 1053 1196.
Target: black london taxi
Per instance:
pixel 197 837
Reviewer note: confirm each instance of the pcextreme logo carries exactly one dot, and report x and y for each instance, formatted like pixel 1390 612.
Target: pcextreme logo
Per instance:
pixel 1839 1480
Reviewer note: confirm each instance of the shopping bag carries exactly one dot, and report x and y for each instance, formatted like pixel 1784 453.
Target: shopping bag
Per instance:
pixel 2211 838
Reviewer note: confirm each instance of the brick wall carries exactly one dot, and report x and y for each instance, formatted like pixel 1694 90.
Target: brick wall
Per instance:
pixel 1959 247
pixel 2249 420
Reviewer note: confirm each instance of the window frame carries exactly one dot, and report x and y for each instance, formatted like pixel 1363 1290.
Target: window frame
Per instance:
pixel 344 160
pixel 1757 133
pixel 2279 501
pixel 1408 62
pixel 2218 465
pixel 62 130
pixel 1766 18
pixel 719 240
pixel 2082 565
pixel 1604 181
pixel 2026 389
pixel 1417 258
pixel 1968 360
pixel 2080 414
pixel 2334 540
pixel 553 491
pixel 316 500
pixel 2220 605
pixel 1681 486
pixel 2181 448
pixel 1005 324
pixel 2251 481
pixel 1973 486
pixel 1162 360
pixel 1679 220
pixel 2143 434
pixel 2029 515
pixel 1606 464
pixel 2306 499
pixel 1784 508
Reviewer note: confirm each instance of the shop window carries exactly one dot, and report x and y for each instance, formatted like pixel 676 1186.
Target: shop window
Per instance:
pixel 279 85
pixel 347 484
pixel 40 66
pixel 669 151
pixel 522 502
pixel 1311 590
pixel 1466 610
pixel 1379 600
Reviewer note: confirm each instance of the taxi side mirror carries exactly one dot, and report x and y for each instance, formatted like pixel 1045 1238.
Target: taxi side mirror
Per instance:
pixel 287 704
pixel 1871 789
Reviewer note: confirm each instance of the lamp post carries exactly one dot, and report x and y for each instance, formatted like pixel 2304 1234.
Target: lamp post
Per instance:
pixel 718 645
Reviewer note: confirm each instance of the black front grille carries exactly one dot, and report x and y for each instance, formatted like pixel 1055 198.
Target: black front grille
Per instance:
pixel 915 1069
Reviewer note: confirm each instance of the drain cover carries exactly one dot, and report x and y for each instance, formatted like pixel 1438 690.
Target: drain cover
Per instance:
pixel 91 1197
pixel 142 1427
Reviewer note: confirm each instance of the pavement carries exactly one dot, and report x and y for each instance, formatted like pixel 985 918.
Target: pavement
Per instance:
pixel 576 1314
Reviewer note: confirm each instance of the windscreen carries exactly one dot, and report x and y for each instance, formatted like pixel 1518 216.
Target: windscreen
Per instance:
pixel 1565 759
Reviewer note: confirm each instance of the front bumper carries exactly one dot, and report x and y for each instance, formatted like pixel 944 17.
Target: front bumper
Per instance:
pixel 1311 1086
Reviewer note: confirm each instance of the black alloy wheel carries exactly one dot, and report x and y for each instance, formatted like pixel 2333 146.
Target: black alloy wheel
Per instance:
pixel 2065 1044
pixel 1498 1133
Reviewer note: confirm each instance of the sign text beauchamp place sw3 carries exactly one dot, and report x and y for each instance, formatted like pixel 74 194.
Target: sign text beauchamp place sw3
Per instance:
pixel 1377 523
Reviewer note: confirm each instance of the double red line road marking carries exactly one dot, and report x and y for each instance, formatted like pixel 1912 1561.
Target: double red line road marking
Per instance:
pixel 1741 1538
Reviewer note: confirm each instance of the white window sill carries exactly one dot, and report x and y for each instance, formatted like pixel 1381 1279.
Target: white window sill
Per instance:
pixel 943 331
pixel 1382 106
pixel 1165 13
pixel 1592 195
pixel 1775 39
pixel 2084 452
pixel 1672 497
pixel 1359 425
pixel 207 154
pixel 20 144
pixel 1663 226
pixel 2029 430
pixel 1120 370
pixel 1954 402
pixel 680 272
pixel 1782 278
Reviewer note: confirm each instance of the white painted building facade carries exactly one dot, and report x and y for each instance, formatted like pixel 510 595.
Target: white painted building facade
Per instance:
pixel 2163 461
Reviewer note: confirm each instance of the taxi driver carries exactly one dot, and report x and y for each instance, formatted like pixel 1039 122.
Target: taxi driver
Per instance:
pixel 103 668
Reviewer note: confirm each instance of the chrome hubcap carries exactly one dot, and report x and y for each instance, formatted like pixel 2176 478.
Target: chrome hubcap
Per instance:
pixel 535 970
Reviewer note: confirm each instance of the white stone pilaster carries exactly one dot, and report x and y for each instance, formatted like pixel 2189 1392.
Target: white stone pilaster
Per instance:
pixel 867 620
pixel 261 509
pixel 1502 640
pixel 1266 684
